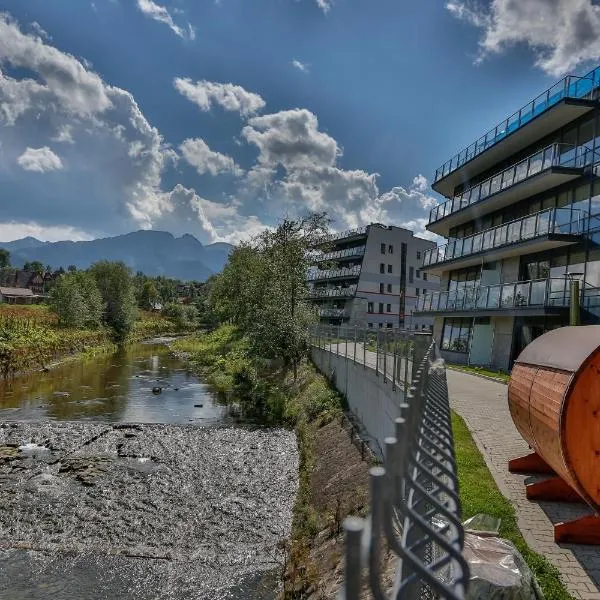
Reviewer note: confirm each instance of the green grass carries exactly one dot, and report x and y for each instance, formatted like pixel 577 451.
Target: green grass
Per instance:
pixel 479 494
pixel 480 371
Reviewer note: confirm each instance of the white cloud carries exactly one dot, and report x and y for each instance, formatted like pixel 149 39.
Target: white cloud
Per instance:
pixel 324 5
pixel 230 97
pixel 37 28
pixel 64 135
pixel 304 67
pixel 40 160
pixel 10 231
pixel 162 15
pixel 562 33
pixel 199 155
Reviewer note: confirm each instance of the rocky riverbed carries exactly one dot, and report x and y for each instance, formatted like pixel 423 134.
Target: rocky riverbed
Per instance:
pixel 92 510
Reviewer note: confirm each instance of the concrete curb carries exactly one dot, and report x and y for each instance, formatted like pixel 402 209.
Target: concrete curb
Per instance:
pixel 496 379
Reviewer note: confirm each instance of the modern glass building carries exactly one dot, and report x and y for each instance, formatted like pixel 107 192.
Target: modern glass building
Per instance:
pixel 522 217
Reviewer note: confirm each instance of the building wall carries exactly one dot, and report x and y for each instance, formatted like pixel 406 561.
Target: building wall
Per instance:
pixel 503 341
pixel 371 278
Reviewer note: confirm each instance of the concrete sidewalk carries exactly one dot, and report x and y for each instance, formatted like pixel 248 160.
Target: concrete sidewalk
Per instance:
pixel 483 405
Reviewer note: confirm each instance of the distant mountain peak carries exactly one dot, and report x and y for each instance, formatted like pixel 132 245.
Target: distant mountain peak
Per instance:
pixel 148 250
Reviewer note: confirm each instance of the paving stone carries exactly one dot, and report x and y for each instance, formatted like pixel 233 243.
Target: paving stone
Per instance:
pixel 483 405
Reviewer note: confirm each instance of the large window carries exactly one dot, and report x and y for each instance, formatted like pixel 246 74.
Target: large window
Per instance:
pixel 370 307
pixel 381 288
pixel 382 248
pixel 411 274
pixel 382 267
pixel 456 334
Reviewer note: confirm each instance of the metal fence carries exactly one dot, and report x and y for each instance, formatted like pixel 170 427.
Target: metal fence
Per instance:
pixel 415 508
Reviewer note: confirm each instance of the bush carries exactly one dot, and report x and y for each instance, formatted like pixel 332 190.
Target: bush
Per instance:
pixel 76 300
pixel 183 315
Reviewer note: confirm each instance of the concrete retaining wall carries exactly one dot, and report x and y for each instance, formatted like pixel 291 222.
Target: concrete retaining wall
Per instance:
pixel 370 398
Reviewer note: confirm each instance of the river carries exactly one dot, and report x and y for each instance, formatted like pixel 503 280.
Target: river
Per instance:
pixel 112 490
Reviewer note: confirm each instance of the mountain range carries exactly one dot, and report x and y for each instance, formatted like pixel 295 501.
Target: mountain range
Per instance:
pixel 153 252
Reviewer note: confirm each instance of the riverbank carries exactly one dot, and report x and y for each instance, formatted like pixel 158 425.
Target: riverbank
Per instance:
pixel 30 338
pixel 125 510
pixel 332 470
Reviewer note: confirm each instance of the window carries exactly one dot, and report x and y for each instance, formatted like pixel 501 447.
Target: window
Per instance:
pixel 416 291
pixel 370 325
pixel 390 325
pixel 456 335
pixel 382 248
pixel 389 288
pixel 418 255
pixel 390 249
pixel 389 308
pixel 380 325
pixel 381 288
pixel 381 268
pixel 381 307
pixel 418 274
pixel 389 268
pixel 424 276
pixel 411 274
pixel 370 307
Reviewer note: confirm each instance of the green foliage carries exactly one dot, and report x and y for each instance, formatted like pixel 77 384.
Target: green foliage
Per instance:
pixel 184 316
pixel 262 289
pixel 479 494
pixel 33 267
pixel 76 299
pixel 4 258
pixel 148 298
pixel 116 288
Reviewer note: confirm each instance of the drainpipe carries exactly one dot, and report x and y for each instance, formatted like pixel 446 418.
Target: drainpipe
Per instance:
pixel 574 290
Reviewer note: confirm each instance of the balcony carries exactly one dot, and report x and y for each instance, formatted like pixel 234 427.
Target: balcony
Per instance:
pixel 332 313
pixel 347 235
pixel 562 103
pixel 535 297
pixel 544 230
pixel 542 171
pixel 348 273
pixel 321 292
pixel 348 253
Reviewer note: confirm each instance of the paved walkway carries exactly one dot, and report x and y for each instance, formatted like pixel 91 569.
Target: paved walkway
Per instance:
pixel 483 405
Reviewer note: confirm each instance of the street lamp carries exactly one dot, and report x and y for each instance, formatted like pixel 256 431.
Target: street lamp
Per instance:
pixel 574 309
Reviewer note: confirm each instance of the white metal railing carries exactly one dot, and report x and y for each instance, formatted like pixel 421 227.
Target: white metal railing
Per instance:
pixel 334 273
pixel 550 292
pixel 332 313
pixel 570 86
pixel 338 254
pixel 551 221
pixel 323 292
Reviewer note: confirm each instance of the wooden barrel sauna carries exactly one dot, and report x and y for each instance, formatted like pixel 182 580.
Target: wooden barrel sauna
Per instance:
pixel 554 400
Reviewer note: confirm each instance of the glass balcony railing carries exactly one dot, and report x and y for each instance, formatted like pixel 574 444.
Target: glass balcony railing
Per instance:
pixel 346 292
pixel 334 273
pixel 551 221
pixel 333 237
pixel 339 254
pixel 569 87
pixel 332 313
pixel 553 291
pixel 555 155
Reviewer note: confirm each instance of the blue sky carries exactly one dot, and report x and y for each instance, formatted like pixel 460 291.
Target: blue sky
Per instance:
pixel 217 118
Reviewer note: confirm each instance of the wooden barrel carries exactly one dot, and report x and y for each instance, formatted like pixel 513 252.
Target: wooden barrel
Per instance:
pixel 554 400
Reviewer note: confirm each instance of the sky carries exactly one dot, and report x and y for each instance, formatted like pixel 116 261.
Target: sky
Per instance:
pixel 221 117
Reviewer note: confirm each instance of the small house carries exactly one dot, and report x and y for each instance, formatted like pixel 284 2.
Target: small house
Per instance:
pixel 13 295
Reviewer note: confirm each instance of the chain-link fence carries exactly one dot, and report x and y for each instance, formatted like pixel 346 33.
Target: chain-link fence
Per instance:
pixel 415 508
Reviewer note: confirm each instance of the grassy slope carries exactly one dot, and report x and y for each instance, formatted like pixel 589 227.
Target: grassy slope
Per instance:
pixel 30 338
pixel 481 371
pixel 480 494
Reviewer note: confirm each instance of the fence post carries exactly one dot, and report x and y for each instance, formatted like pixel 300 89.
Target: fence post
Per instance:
pixel 364 348
pixel 337 341
pixel 385 340
pixel 377 353
pixel 355 332
pixel 395 348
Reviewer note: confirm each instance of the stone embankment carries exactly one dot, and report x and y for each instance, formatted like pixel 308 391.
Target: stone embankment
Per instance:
pixel 142 511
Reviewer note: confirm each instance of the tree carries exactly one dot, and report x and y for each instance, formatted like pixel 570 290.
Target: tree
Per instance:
pixel 116 288
pixel 71 268
pixel 77 301
pixel 33 267
pixel 4 258
pixel 149 297
pixel 182 315
pixel 263 290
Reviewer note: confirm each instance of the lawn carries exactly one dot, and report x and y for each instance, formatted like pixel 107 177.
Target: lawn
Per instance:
pixel 481 371
pixel 480 494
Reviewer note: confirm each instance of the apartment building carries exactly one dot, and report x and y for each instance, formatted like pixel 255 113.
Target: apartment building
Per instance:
pixel 371 277
pixel 521 219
